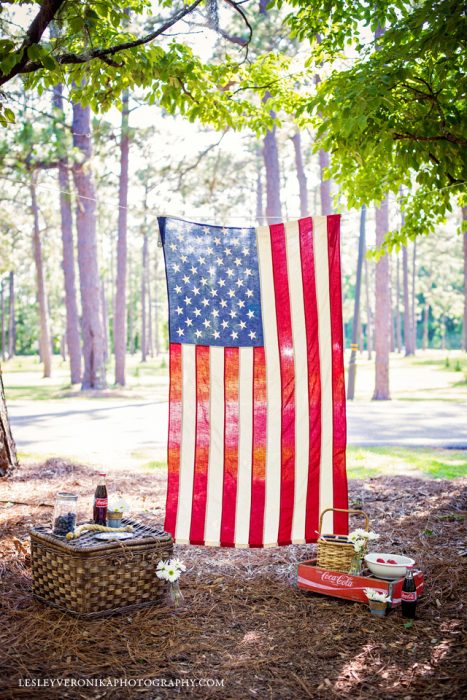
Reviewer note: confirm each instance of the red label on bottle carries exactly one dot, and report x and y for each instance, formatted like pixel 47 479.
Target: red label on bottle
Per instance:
pixel 101 502
pixel 409 597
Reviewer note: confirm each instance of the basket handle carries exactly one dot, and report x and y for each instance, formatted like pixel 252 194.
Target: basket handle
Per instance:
pixel 344 510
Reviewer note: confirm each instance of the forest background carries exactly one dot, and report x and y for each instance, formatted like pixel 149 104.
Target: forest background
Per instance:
pixel 232 121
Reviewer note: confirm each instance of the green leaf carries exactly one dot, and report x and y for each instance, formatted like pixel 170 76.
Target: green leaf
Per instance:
pixel 34 52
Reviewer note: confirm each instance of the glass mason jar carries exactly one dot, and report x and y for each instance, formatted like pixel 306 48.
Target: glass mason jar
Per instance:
pixel 65 512
pixel 356 564
pixel 176 596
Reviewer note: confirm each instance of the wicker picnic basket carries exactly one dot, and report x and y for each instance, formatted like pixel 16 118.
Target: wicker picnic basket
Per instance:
pixel 334 554
pixel 89 579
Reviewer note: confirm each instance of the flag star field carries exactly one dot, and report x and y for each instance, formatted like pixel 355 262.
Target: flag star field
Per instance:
pixel 213 284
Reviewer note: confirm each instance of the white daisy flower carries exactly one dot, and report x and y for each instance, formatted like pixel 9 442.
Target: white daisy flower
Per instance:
pixel 178 564
pixel 173 574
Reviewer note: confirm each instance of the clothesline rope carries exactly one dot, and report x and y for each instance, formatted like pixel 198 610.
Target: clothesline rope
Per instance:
pixel 345 215
pixel 209 216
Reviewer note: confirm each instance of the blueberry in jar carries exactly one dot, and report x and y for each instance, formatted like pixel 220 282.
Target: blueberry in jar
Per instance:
pixel 65 523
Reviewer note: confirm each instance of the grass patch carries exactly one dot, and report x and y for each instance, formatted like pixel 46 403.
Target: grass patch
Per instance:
pixel 23 380
pixel 154 464
pixel 35 392
pixel 435 463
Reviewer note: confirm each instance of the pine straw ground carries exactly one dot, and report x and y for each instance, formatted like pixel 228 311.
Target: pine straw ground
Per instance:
pixel 244 622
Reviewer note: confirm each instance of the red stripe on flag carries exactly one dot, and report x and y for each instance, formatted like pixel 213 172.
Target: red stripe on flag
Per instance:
pixel 200 477
pixel 338 382
pixel 231 421
pixel 314 377
pixel 286 354
pixel 174 437
pixel 258 461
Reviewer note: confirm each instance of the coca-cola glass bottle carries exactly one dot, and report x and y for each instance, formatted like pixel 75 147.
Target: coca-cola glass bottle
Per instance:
pixel 409 595
pixel 101 501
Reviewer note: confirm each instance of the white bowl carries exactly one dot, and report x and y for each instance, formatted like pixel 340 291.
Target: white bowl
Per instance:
pixel 388 571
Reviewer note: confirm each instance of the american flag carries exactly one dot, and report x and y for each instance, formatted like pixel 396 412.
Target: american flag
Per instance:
pixel 257 427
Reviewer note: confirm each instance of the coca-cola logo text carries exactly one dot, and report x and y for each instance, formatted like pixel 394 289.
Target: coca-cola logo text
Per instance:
pixel 337 579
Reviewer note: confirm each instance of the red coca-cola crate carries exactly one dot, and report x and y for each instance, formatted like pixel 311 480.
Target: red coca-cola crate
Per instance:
pixel 340 585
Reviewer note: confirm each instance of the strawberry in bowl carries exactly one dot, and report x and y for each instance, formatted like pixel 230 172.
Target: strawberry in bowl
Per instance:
pixel 387 566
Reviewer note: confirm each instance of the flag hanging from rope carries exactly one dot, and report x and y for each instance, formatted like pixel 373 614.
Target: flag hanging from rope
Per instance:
pixel 257 426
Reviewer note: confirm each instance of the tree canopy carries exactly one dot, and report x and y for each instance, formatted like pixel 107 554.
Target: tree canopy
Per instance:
pixel 390 111
pixel 396 117
pixel 101 47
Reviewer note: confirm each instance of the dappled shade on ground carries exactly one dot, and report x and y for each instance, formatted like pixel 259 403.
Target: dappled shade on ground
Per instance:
pixel 244 620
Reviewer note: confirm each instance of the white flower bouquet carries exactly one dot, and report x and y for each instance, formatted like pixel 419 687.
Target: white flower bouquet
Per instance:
pixel 360 539
pixel 377 601
pixel 376 596
pixel 118 505
pixel 171 571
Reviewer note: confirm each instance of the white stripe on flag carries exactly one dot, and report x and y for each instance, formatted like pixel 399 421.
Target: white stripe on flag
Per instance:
pixel 320 239
pixel 187 448
pixel 212 526
pixel 245 438
pixel 273 390
pixel 302 428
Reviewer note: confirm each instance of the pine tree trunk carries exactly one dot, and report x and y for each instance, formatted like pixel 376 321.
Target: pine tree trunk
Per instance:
pixel 105 319
pixel 44 322
pixel 398 309
pixel 63 347
pixel 259 193
pixel 325 185
pixel 391 316
pixel 407 325
pixel 149 295
pixel 120 299
pixel 71 303
pixel 301 175
pixel 8 459
pixel 11 316
pixel 271 162
pixel 94 374
pixel 131 310
pixel 2 312
pixel 382 309
pixel 464 221
pixel 131 327
pixel 157 341
pixel 356 312
pixel 144 263
pixel 426 311
pixel 369 327
pixel 412 313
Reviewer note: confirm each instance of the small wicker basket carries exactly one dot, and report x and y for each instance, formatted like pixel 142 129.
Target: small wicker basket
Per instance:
pixel 333 553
